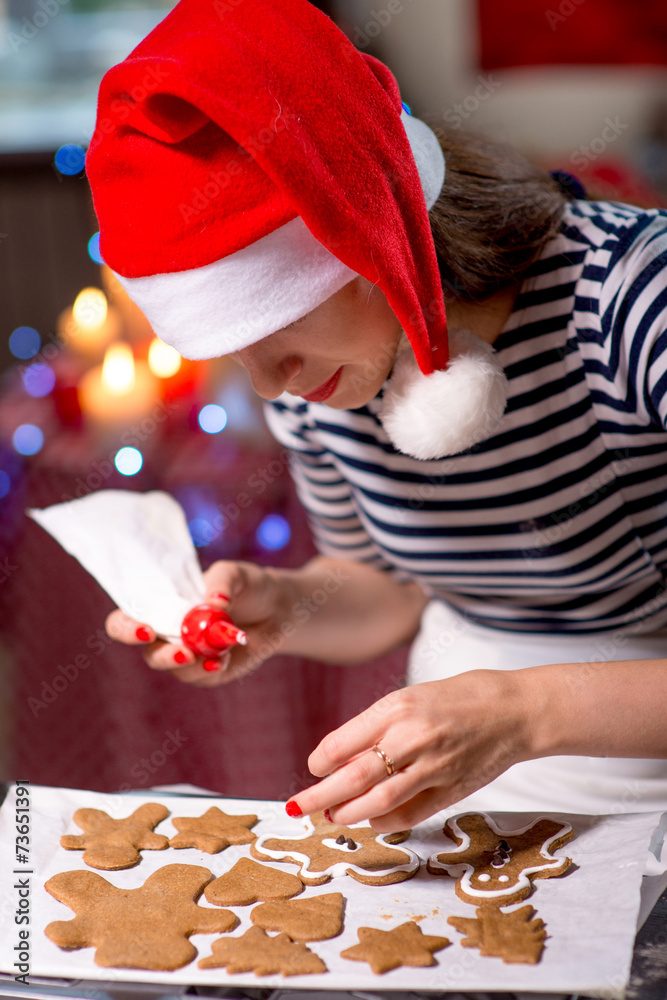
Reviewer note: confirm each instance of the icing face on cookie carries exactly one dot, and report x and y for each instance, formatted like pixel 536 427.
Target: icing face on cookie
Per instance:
pixel 498 866
pixel 341 843
pixel 320 849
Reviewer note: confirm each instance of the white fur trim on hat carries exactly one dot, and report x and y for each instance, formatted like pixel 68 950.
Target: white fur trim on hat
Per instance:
pixel 430 416
pixel 232 303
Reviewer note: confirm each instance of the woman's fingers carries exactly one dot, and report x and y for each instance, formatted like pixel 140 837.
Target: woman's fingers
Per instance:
pixel 121 627
pixel 354 737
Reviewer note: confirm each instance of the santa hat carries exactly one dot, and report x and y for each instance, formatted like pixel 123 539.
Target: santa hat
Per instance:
pixel 247 163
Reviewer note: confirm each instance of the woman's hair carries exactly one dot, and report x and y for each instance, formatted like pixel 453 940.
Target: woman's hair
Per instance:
pixel 493 217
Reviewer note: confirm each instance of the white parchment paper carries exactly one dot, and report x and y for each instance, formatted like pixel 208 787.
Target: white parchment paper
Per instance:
pixel 590 914
pixel 138 548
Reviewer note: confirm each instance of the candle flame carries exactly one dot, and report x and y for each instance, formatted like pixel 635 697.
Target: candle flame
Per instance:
pixel 163 360
pixel 118 372
pixel 90 308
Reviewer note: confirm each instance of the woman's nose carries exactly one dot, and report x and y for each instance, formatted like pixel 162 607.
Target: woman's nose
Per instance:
pixel 270 376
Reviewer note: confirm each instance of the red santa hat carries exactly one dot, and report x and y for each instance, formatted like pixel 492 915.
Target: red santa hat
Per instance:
pixel 247 163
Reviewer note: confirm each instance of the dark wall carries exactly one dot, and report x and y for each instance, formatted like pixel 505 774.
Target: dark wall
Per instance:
pixel 46 221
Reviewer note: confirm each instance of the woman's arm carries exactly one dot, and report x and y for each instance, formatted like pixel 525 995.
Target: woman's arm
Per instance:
pixel 449 738
pixel 332 610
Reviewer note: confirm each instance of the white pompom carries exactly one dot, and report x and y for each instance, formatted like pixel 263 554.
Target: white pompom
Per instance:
pixel 431 416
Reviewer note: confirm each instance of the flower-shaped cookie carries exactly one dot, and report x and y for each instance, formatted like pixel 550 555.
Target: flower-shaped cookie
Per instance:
pixel 387 950
pixel 213 831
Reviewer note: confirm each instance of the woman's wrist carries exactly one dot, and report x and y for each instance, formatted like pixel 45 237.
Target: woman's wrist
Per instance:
pixel 537 693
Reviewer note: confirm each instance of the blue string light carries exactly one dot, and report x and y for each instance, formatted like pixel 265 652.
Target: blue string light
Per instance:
pixel 28 439
pixel 39 380
pixel 212 418
pixel 273 532
pixel 24 342
pixel 94 249
pixel 70 159
pixel 128 461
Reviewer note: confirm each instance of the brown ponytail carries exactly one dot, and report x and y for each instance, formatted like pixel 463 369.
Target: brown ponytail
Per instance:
pixel 494 215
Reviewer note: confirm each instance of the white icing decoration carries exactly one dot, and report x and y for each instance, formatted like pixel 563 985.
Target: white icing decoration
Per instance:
pixel 344 866
pixel 484 877
pixel 502 878
pixel 466 871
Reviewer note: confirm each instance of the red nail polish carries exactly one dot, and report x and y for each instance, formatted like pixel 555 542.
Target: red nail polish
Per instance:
pixel 180 656
pixel 211 665
pixel 143 634
pixel 221 597
pixel 292 808
pixel 327 816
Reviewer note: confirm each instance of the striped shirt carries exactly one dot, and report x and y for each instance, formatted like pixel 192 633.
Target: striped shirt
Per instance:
pixel 558 522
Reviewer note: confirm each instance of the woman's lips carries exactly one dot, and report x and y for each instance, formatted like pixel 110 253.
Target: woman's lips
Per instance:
pixel 325 390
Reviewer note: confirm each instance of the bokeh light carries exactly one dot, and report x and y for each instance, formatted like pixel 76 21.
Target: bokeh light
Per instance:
pixel 28 439
pixel 118 371
pixel 90 308
pixel 5 483
pixel 24 342
pixel 94 249
pixel 70 159
pixel 273 532
pixel 212 418
pixel 202 532
pixel 39 379
pixel 128 461
pixel 163 360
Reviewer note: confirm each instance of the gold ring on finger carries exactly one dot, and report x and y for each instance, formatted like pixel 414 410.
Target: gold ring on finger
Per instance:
pixel 386 760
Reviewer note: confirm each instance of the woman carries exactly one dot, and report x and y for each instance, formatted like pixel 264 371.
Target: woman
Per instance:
pixel 261 194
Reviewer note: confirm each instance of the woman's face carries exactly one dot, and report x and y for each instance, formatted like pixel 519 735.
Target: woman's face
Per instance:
pixel 339 354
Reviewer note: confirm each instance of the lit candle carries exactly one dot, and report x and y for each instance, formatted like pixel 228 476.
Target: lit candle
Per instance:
pixel 118 392
pixel 90 325
pixel 163 360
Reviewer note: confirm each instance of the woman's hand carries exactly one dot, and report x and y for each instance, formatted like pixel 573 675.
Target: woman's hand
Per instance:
pixel 446 738
pixel 255 598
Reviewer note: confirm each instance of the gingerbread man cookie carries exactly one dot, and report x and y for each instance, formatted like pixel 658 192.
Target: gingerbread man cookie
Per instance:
pixel 497 866
pixel 111 844
pixel 327 850
pixel 256 952
pixel 514 937
pixel 387 950
pixel 213 831
pixel 144 928
pixel 249 882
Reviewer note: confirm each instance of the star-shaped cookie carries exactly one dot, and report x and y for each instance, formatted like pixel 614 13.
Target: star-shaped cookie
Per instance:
pixel 144 928
pixel 404 945
pixel 315 918
pixel 213 831
pixel 111 844
pixel 327 850
pixel 514 937
pixel 256 952
pixel 495 866
pixel 249 882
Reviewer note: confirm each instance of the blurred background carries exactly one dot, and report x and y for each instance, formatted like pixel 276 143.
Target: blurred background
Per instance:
pixel 89 399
